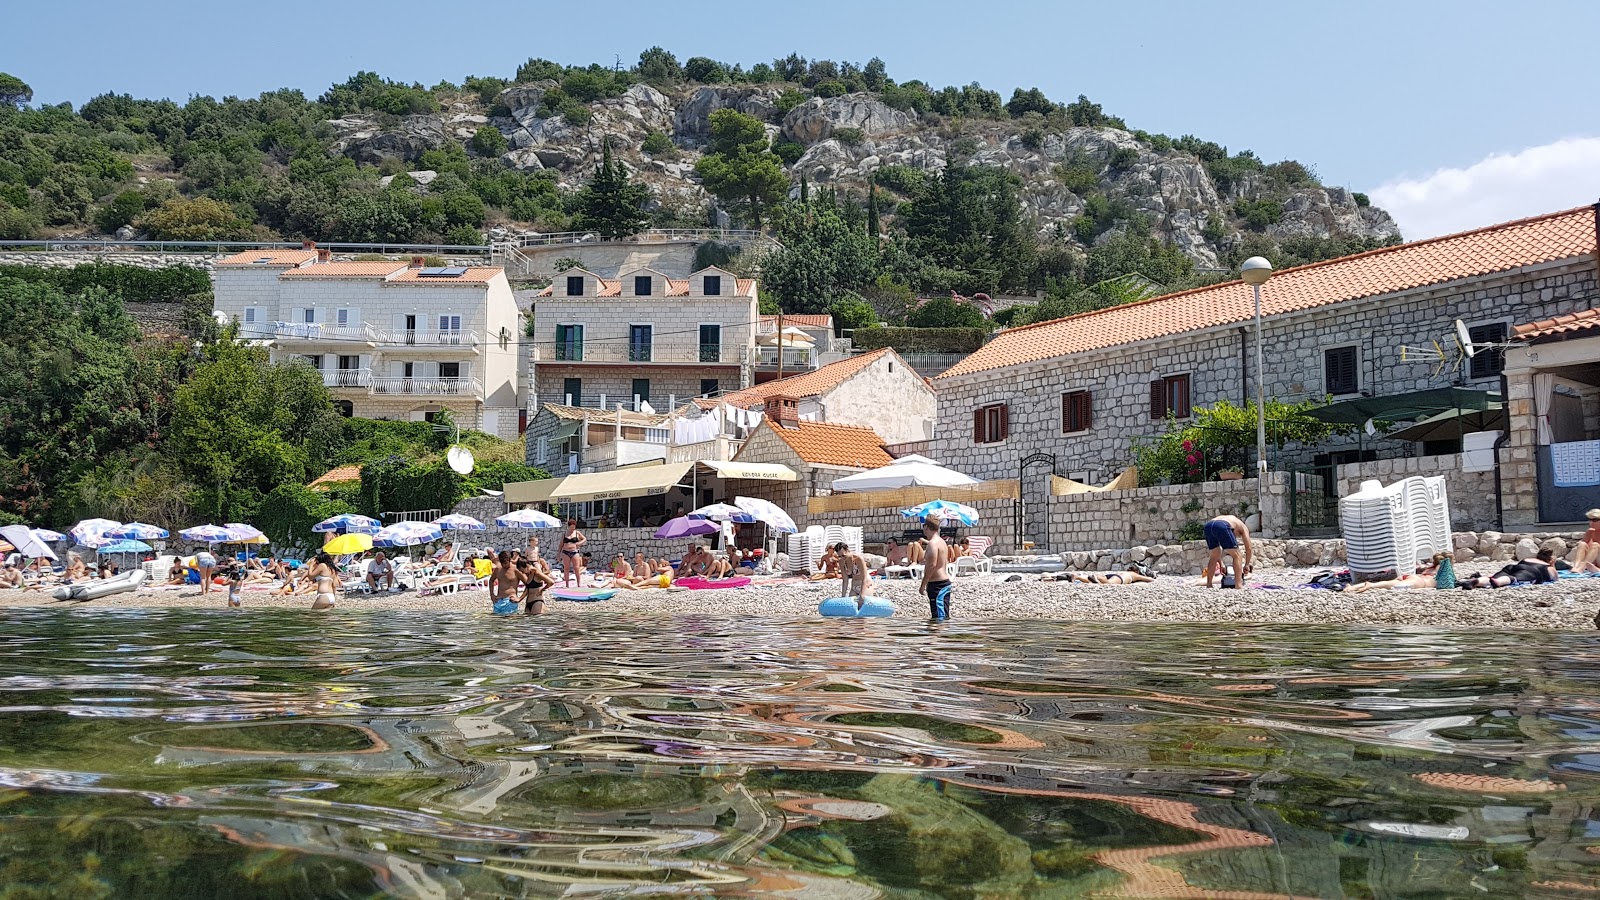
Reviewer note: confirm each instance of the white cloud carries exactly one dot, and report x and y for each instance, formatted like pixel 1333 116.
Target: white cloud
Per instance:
pixel 1498 188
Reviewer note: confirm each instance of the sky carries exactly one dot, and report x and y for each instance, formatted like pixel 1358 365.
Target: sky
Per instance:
pixel 1451 114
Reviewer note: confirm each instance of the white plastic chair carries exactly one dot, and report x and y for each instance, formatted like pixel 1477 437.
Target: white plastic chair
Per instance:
pixel 977 562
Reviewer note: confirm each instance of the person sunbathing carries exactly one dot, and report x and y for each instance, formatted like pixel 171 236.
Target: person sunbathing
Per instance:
pixel 696 561
pixel 719 566
pixel 622 574
pixel 1424 577
pixel 894 553
pixel 10 576
pixel 963 547
pixel 829 564
pixel 1540 569
pixel 915 551
pixel 1588 558
pixel 179 573
pixel 1128 577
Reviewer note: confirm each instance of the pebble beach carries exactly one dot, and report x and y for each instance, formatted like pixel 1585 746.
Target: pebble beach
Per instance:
pixel 1270 599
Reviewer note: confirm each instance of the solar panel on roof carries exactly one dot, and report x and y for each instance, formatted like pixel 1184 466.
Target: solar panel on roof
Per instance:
pixel 264 259
pixel 442 272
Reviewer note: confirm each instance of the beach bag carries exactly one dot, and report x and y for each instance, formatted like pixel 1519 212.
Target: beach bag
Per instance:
pixel 1445 578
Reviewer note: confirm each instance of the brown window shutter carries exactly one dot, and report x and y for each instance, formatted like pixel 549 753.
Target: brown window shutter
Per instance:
pixel 978 437
pixel 1066 411
pixel 1005 422
pixel 1180 400
pixel 1085 408
pixel 1158 399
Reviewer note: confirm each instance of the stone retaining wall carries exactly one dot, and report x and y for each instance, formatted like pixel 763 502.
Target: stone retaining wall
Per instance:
pixel 1490 549
pixel 997 520
pixel 1157 515
pixel 1471 494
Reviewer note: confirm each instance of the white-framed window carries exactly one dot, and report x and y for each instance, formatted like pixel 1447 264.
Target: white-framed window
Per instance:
pixel 308 316
pixel 315 359
pixel 249 315
pixel 542 454
pixel 450 323
pixel 342 317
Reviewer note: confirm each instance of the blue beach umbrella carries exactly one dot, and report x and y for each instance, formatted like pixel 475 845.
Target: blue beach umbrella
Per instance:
pixel 946 510
pixel 204 534
pixel 722 512
pixel 127 545
pixel 47 536
pixel 348 523
pixel 458 522
pixel 91 532
pixel 407 534
pixel 138 531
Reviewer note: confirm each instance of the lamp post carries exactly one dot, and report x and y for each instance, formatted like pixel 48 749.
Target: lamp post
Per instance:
pixel 1255 273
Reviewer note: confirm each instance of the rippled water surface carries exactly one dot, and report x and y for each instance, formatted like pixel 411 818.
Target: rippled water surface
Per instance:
pixel 271 754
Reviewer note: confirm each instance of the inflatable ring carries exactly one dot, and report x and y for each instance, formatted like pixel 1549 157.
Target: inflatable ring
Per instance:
pixel 845 608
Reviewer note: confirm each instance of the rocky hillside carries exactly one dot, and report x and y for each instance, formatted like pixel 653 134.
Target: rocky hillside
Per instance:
pixel 1072 177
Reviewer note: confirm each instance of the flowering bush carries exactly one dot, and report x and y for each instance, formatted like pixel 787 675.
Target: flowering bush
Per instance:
pixel 1222 437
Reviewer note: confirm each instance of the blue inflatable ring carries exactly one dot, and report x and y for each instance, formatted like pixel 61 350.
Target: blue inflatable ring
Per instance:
pixel 845 607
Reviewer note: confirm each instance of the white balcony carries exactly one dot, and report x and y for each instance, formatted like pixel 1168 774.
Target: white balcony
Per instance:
pixel 309 333
pixel 432 340
pixel 626 354
pixel 347 378
pixel 794 358
pixel 432 387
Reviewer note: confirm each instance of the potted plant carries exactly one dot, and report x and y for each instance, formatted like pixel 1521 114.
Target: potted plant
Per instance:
pixel 1230 475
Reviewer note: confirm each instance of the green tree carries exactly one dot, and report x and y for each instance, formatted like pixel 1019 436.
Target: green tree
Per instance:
pixel 122 210
pixel 873 225
pixel 611 203
pixel 704 70
pixel 875 75
pixel 1030 100
pixel 820 258
pixel 659 66
pixel 199 219
pixel 14 91
pixel 851 313
pixel 738 168
pixel 969 219
pixel 945 312
pixel 241 426
pixel 489 141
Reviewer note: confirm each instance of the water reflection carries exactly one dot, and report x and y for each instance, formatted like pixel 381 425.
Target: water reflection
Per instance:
pixel 167 753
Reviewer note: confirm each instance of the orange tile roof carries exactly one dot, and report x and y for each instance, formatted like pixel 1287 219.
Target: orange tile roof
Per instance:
pixel 1499 248
pixel 347 270
pixel 340 475
pixel 267 258
pixel 1582 320
pixel 800 321
pixel 473 275
pixel 824 444
pixel 745 287
pixel 811 384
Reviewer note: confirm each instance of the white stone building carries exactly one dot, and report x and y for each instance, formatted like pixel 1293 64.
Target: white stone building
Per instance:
pixel 877 390
pixel 642 336
pixel 393 340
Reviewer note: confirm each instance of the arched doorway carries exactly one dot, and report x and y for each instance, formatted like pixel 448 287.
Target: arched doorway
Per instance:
pixel 1033 500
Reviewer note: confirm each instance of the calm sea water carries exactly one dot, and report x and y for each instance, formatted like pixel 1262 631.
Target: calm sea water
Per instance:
pixel 272 754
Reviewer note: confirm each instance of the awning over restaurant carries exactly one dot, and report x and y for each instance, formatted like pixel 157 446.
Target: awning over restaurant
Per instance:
pixel 531 491
pixel 753 471
pixel 640 481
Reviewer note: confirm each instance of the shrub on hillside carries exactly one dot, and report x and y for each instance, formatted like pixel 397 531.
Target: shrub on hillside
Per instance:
pixel 920 340
pixel 489 141
pixel 850 137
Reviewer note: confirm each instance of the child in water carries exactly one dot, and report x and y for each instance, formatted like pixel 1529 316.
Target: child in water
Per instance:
pixel 234 575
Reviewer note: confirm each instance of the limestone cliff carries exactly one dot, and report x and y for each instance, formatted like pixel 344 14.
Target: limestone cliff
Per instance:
pixel 846 138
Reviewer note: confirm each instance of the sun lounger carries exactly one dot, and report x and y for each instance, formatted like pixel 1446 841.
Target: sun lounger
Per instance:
pixel 977 562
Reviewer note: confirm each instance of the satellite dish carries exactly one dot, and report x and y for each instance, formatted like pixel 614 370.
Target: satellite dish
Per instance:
pixel 1465 337
pixel 220 316
pixel 460 459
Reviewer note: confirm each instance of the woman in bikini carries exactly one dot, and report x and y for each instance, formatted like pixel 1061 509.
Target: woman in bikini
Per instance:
pixel 533 583
pixel 1538 570
pixel 1424 577
pixel 326 578
pixel 571 543
pixel 1129 577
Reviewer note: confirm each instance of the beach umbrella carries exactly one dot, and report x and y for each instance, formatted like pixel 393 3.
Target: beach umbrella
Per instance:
pixel 348 523
pixel 240 533
pixel 458 522
pixel 946 510
pixel 407 534
pixel 22 538
pixel 722 512
pixel 7 546
pixel 355 542
pixel 766 511
pixel 204 534
pixel 138 531
pixel 91 529
pixel 527 518
pixel 48 536
pixel 907 471
pixel 683 527
pixel 126 545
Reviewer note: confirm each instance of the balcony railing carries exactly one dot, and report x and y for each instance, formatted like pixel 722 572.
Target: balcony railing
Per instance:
pixel 319 332
pixel 669 354
pixel 427 386
pixel 793 357
pixel 347 378
pixel 438 338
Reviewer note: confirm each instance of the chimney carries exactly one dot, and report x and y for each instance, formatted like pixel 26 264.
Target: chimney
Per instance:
pixel 783 411
pixel 416 262
pixel 308 245
pixel 324 256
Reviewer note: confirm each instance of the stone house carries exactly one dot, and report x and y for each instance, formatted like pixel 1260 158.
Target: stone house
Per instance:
pixel 392 340
pixel 1072 396
pixel 797 358
pixel 1550 458
pixel 565 440
pixel 818 452
pixel 876 390
pixel 642 338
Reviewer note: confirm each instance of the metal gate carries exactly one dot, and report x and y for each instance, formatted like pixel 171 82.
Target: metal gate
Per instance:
pixel 1313 502
pixel 1033 501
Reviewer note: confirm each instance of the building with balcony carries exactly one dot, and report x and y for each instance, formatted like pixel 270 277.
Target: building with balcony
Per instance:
pixel 807 344
pixel 642 338
pixel 392 340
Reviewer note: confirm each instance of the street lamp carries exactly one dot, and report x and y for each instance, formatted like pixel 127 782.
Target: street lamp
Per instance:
pixel 1255 273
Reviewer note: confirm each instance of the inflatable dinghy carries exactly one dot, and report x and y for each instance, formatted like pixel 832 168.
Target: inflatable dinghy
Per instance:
pixel 102 587
pixel 845 608
pixel 583 595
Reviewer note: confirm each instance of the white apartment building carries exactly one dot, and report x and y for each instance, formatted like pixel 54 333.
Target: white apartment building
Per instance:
pixel 642 335
pixel 393 340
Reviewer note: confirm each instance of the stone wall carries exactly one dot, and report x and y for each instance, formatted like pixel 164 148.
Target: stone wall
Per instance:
pixel 996 520
pixel 1217 359
pixel 1471 494
pixel 1157 515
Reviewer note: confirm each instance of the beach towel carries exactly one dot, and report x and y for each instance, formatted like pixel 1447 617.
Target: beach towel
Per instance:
pixel 583 595
pixel 697 583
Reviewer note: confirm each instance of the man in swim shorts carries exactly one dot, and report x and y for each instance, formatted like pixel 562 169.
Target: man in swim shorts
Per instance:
pixel 935 577
pixel 1223 535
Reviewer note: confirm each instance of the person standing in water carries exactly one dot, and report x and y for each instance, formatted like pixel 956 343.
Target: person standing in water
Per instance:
pixel 571 563
pixel 935 577
pixel 326 578
pixel 853 571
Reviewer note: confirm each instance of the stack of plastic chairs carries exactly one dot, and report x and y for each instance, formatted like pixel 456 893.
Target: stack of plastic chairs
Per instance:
pixel 1390 528
pixel 799 553
pixel 816 545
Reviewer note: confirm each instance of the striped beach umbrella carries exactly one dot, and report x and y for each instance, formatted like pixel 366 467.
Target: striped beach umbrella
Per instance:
pixel 348 523
pixel 47 536
pixel 722 512
pixel 91 532
pixel 204 534
pixel 138 531
pixel 947 511
pixel 458 522
pixel 527 518
pixel 407 534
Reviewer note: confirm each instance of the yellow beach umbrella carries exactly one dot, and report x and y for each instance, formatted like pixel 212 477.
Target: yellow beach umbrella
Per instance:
pixel 348 543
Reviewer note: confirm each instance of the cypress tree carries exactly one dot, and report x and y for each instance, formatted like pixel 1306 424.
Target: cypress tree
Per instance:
pixel 872 204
